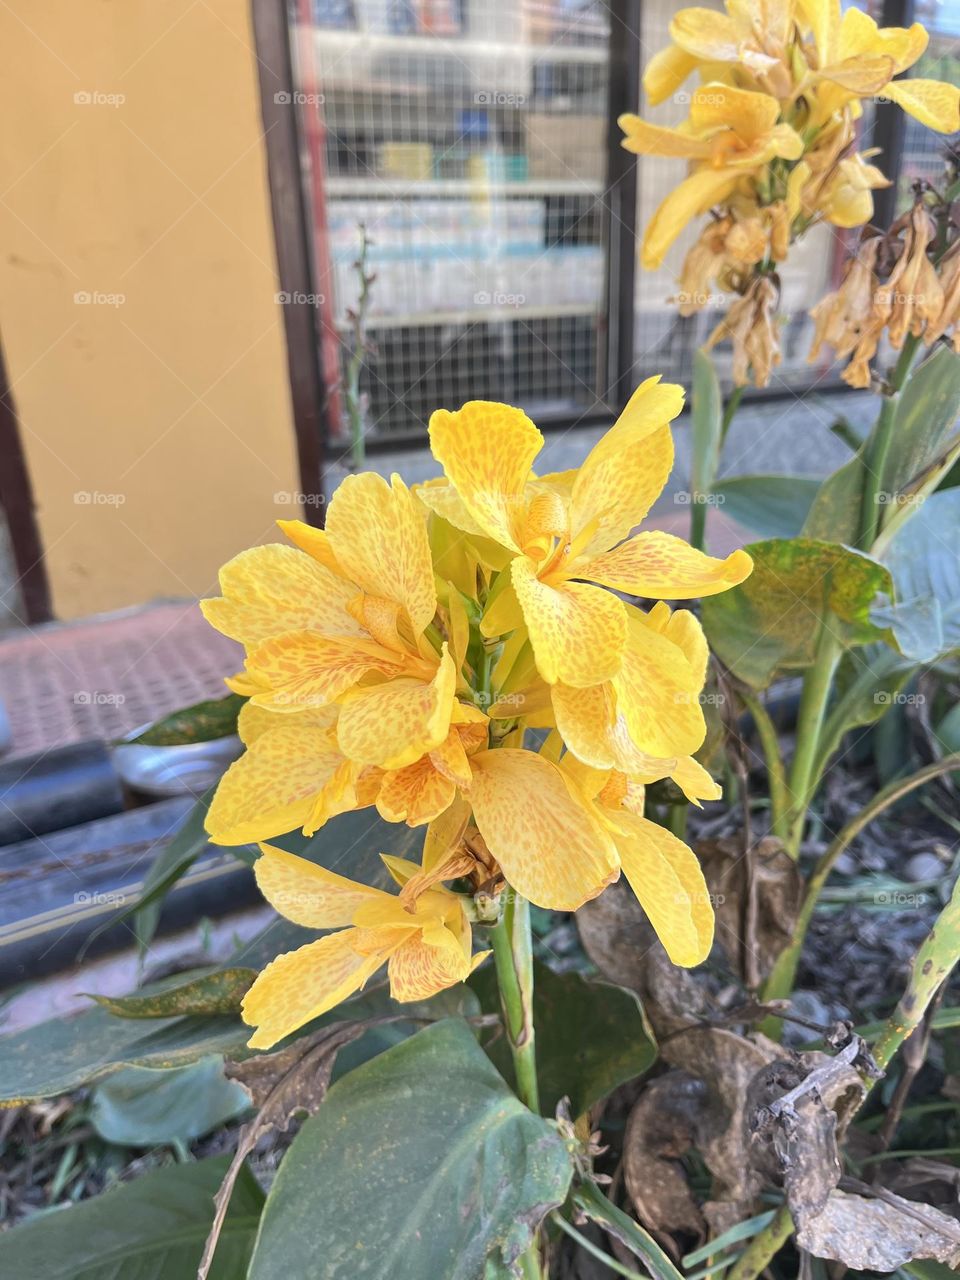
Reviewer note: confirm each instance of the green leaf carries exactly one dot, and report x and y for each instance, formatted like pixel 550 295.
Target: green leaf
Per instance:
pixel 55 1057
pixel 924 561
pixel 202 722
pixel 772 506
pixel 145 1107
pixel 590 1199
pixel 419 1164
pixel 217 992
pixel 153 1227
pixel 591 1036
pixel 924 422
pixel 706 418
pixel 770 624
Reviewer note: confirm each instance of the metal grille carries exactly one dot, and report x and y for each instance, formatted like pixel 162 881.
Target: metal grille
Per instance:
pixel 922 156
pixel 469 138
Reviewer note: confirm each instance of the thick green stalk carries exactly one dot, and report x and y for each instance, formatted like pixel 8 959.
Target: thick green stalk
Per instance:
pixel 879 448
pixel 513 956
pixel 802 784
pixel 780 982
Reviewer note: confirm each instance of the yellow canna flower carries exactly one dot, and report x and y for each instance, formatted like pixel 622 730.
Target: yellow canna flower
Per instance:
pixel 568 536
pixel 732 134
pixel 342 620
pixel 426 945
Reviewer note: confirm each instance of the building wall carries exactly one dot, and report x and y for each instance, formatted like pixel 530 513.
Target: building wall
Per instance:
pixel 137 293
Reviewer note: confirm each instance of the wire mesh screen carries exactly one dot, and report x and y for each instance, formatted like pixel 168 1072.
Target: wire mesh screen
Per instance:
pixel 468 139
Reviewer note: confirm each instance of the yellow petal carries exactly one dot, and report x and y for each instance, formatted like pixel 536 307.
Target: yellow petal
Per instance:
pixel 445 833
pixel 658 693
pixel 750 115
pixel 550 847
pixel 502 613
pixel 395 723
pixel 487 451
pixel 625 471
pixel 860 35
pixel 706 35
pixel 306 893
pixel 300 985
pixel 932 102
pixel 301 669
pixel 253 721
pixel 665 73
pixel 666 877
pixel 378 532
pixel 577 631
pixel 694 781
pixel 418 970
pixel 688 200
pixel 863 74
pixel 273 787
pixel 684 629
pixel 645 139
pixel 416 794
pixel 272 589
pixel 314 541
pixel 440 497
pixel 822 19
pixel 595 730
pixel 660 566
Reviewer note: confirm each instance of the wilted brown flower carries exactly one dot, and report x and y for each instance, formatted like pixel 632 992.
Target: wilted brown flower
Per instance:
pixel 751 326
pixel 949 317
pixel 845 319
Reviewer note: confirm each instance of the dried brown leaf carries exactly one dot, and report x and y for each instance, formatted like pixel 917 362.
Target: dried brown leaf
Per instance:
pixel 662 1126
pixel 874 1235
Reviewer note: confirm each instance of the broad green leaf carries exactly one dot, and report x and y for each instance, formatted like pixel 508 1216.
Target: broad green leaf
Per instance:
pixel 773 506
pixel 419 1164
pixel 153 1228
pixel 834 514
pixel 202 722
pixel 706 417
pixel 55 1057
pixel 591 1036
pixel 924 421
pixel 146 1107
pixel 218 992
pixel 590 1200
pixel 924 561
pixel 770 624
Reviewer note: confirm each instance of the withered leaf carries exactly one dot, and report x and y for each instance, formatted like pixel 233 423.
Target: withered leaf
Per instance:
pixel 663 1125
pixel 281 1085
pixel 874 1235
pixel 756 898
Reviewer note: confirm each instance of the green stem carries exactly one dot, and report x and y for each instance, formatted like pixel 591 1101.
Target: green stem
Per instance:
pixel 776 774
pixel 675 819
pixel 513 956
pixel 879 447
pixel 817 686
pixel 780 982
pixel 762 1248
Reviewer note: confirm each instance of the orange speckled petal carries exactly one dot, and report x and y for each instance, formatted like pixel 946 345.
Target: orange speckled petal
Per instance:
pixel 658 693
pixel 586 719
pixel 272 788
pixel 253 721
pixel 933 102
pixel 418 970
pixel 313 541
pixel 300 985
pixel 550 847
pixel 306 893
pixel 272 589
pixel 666 877
pixel 487 450
pixel 577 631
pixel 660 566
pixel 440 497
pixel 379 534
pixel 415 794
pixel 302 670
pixel 395 723
pixel 625 471
pixel 450 758
pixel 445 833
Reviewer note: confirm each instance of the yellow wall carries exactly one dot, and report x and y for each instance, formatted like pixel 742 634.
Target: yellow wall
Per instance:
pixel 134 172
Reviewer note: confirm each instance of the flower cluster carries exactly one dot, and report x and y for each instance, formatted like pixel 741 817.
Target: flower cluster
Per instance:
pixel 903 282
pixel 396 658
pixel 771 137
